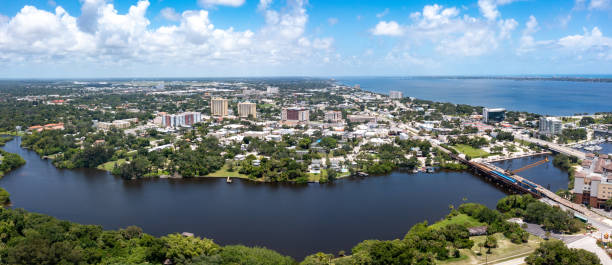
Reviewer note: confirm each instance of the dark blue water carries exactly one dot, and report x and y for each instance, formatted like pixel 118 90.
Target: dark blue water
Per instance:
pixel 547 175
pixel 543 97
pixel 295 220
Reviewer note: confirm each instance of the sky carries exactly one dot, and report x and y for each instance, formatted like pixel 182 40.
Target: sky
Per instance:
pixel 223 38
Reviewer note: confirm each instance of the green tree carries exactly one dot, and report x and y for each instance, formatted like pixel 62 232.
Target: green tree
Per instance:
pixel 556 253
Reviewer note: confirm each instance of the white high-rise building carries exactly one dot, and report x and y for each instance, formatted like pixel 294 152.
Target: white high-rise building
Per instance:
pixel 550 126
pixel 396 94
pixel 272 90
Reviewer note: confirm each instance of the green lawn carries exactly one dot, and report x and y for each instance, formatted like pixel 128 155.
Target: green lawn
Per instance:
pixel 505 250
pixel 108 166
pixel 462 219
pixel 224 173
pixel 470 151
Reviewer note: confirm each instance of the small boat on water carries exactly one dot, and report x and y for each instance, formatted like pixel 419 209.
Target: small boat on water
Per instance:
pixel 228 180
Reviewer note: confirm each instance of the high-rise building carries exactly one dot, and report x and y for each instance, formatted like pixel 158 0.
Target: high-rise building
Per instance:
pixel 178 120
pixel 272 90
pixel 550 126
pixel 333 116
pixel 295 114
pixel 396 94
pixel 493 115
pixel 218 107
pixel 246 109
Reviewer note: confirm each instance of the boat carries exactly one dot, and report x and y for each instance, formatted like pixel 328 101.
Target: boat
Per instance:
pixel 228 180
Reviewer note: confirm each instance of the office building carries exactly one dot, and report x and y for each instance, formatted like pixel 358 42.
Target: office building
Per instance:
pixel 246 109
pixel 550 126
pixel 218 107
pixel 295 114
pixel 272 90
pixel 396 94
pixel 493 115
pixel 333 116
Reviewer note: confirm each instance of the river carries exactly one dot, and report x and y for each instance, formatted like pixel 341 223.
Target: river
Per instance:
pixel 296 220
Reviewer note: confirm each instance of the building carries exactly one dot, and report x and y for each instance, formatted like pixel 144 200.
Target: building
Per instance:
pixel 272 90
pixel 361 118
pixel 593 181
pixel 493 115
pixel 119 124
pixel 295 114
pixel 396 94
pixel 218 107
pixel 333 116
pixel 550 126
pixel 246 109
pixel 178 120
pixel 50 126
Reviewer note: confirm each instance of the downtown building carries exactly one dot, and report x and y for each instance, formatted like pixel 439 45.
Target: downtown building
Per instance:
pixel 333 116
pixel 246 109
pixel 493 115
pixel 550 126
pixel 178 120
pixel 593 181
pixel 396 94
pixel 219 107
pixel 295 115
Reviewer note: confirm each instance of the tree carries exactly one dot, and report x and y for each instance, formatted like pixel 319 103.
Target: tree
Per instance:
pixel 182 248
pixel 586 121
pixel 4 197
pixel 490 242
pixel 556 253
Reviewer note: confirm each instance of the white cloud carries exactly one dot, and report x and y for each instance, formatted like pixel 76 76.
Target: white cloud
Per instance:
pixel 103 36
pixel 384 28
pixel 488 8
pixel 599 4
pixel 170 14
pixel 264 4
pixel 527 42
pixel 209 3
pixel 382 14
pixel 332 21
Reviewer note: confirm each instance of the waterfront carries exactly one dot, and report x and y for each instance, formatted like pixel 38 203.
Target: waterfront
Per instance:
pixel 537 96
pixel 296 220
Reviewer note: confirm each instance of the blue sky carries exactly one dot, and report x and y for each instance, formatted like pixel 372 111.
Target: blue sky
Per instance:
pixel 201 38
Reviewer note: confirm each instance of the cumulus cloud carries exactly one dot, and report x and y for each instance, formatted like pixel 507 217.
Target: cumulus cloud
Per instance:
pixel 209 3
pixel 488 8
pixel 384 28
pixel 101 35
pixel 527 42
pixel 170 14
pixel 449 32
pixel 592 43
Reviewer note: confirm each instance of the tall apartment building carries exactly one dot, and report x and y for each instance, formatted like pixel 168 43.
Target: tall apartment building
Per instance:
pixel 333 116
pixel 218 107
pixel 272 90
pixel 178 120
pixel 396 94
pixel 593 181
pixel 550 126
pixel 295 114
pixel 247 108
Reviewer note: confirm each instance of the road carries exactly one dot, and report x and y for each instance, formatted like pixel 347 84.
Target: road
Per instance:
pixel 552 146
pixel 590 244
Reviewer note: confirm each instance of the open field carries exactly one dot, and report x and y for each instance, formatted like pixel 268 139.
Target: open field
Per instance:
pixel 505 250
pixel 461 219
pixel 108 166
pixel 470 151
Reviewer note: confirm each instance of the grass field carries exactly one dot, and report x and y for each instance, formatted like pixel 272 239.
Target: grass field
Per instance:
pixel 461 219
pixel 224 173
pixel 505 250
pixel 108 166
pixel 470 151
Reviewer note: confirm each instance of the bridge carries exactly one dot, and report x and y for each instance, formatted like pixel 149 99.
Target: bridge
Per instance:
pixel 552 146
